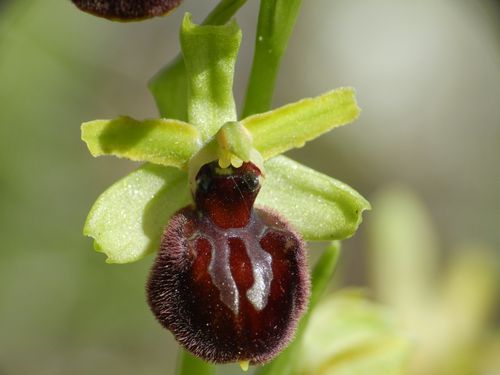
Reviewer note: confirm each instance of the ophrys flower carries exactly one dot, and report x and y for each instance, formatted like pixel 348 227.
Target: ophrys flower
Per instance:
pixel 212 283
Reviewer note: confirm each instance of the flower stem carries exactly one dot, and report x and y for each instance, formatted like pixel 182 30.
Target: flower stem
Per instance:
pixel 276 22
pixel 223 12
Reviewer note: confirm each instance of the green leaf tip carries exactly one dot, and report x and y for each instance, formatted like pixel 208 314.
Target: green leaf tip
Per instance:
pixel 292 125
pixel 160 141
pixel 127 220
pixel 319 207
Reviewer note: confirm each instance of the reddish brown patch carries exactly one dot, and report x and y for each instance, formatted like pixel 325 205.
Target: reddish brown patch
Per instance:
pixel 127 10
pixel 229 290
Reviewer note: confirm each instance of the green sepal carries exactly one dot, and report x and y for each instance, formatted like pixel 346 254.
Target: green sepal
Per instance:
pixel 319 207
pixel 169 85
pixel 210 55
pixel 160 141
pixel 292 125
pixel 127 220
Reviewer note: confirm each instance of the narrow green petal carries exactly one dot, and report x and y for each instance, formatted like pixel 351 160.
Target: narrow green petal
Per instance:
pixel 161 141
pixel 210 55
pixel 292 125
pixel 319 207
pixel 128 219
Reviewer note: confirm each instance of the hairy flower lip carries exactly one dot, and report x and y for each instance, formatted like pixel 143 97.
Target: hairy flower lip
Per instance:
pixel 127 10
pixel 172 300
pixel 230 281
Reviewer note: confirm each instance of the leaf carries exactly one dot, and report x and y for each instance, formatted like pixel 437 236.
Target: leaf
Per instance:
pixel 319 207
pixel 128 219
pixel 169 85
pixel 276 22
pixel 210 56
pixel 292 125
pixel 161 141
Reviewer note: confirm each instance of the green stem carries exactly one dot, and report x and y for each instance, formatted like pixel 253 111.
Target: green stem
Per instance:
pixel 223 12
pixel 169 85
pixel 188 364
pixel 276 22
pixel 321 275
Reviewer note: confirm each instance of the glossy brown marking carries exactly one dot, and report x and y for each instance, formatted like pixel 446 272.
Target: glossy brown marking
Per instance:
pixel 127 10
pixel 230 281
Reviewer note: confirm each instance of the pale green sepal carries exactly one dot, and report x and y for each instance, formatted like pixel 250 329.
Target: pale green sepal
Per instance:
pixel 292 125
pixel 160 141
pixel 169 85
pixel 210 55
pixel 318 206
pixel 127 220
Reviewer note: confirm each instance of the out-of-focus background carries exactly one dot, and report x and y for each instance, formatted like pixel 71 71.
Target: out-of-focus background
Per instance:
pixel 427 74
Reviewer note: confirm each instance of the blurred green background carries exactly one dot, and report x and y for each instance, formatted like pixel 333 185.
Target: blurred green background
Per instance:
pixel 427 75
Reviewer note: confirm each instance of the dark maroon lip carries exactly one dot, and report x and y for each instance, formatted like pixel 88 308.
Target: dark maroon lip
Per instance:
pixel 127 10
pixel 230 281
